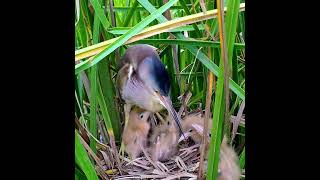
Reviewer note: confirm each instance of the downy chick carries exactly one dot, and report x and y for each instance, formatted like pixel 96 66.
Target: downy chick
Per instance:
pixel 164 141
pixel 135 133
pixel 193 127
pixel 229 164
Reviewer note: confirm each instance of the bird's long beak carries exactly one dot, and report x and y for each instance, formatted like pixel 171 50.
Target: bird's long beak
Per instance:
pixel 167 103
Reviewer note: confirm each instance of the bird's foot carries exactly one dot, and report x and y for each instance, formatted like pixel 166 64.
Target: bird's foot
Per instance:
pixel 121 150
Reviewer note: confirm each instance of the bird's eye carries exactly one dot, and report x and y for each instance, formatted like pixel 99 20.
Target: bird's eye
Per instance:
pixel 168 123
pixel 190 130
pixel 156 91
pixel 141 116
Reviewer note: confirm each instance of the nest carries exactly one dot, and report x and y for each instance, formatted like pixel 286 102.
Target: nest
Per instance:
pixel 184 165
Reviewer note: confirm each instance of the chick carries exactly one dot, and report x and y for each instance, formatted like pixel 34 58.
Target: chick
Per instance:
pixel 228 165
pixel 229 169
pixel 193 126
pixel 134 136
pixel 164 141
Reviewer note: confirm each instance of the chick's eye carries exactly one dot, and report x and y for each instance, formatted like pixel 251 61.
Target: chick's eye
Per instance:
pixel 190 130
pixel 141 116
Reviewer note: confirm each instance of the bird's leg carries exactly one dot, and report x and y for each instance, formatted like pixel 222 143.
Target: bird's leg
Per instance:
pixel 127 109
pixel 121 151
pixel 153 120
pixel 160 117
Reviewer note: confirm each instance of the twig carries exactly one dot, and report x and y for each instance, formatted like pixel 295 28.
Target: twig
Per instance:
pixel 134 163
pixel 85 82
pixel 185 100
pixel 174 48
pixel 206 120
pixel 195 60
pixel 148 158
pixel 236 122
pixel 180 175
pixel 98 142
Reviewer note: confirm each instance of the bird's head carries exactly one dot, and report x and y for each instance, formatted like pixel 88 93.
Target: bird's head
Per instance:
pixel 155 78
pixel 193 126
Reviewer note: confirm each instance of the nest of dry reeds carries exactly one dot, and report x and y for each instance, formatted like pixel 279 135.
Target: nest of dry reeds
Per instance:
pixel 183 165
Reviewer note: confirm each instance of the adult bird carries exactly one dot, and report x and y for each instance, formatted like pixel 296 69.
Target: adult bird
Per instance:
pixel 143 81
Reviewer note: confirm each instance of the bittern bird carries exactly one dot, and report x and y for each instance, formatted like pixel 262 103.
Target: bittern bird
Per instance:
pixel 164 141
pixel 135 133
pixel 143 81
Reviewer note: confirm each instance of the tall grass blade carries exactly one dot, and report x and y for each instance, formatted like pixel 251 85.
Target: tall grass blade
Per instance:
pixel 82 159
pixel 219 107
pixel 107 121
pixel 130 13
pixel 79 92
pixel 242 158
pixel 184 6
pixel 87 20
pixel 206 119
pixel 112 13
pixel 93 88
pixel 122 30
pixel 77 11
pixel 231 26
pixel 79 175
pixel 188 42
pixel 105 113
pixel 127 8
pixel 81 33
pixel 216 131
pixel 108 92
pixel 99 12
pixel 231 23
pixel 93 107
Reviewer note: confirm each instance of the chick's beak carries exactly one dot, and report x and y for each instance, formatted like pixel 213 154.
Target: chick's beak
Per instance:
pixel 186 135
